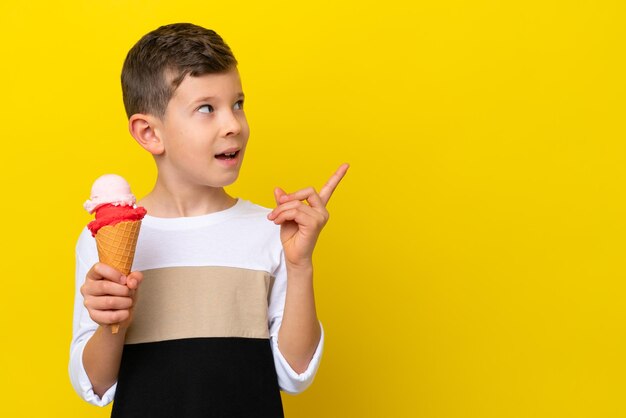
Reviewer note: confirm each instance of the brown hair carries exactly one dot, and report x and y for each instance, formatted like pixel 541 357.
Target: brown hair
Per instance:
pixel 157 64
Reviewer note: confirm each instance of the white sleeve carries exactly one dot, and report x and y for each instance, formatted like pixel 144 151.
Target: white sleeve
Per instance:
pixel 288 380
pixel 83 327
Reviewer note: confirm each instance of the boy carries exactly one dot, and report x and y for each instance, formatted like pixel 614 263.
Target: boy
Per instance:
pixel 220 313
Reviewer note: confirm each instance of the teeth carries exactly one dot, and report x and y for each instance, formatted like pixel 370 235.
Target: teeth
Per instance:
pixel 227 155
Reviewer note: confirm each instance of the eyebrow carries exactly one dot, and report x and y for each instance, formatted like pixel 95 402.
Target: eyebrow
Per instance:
pixel 239 96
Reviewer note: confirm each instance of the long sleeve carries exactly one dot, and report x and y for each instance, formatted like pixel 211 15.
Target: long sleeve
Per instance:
pixel 288 379
pixel 83 327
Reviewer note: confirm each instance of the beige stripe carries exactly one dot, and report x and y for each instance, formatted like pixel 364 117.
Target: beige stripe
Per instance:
pixel 190 302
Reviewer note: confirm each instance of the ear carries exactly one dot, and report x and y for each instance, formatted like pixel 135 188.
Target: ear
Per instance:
pixel 145 130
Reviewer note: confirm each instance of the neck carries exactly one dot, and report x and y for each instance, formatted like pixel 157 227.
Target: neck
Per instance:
pixel 169 201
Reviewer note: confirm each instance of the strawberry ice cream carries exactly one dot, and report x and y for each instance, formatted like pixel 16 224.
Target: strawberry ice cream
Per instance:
pixel 113 203
pixel 110 215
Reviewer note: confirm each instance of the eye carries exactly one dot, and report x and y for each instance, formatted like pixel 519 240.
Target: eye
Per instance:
pixel 239 105
pixel 209 109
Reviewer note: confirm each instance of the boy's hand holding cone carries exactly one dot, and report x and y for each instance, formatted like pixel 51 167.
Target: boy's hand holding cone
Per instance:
pixel 109 295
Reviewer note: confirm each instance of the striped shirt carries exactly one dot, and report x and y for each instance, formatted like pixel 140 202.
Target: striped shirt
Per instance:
pixel 204 336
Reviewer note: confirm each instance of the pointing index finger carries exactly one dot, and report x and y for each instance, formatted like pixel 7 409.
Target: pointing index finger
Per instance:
pixel 332 183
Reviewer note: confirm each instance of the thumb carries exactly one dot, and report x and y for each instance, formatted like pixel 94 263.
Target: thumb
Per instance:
pixel 278 192
pixel 134 279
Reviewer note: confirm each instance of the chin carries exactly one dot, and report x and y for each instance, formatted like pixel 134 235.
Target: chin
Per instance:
pixel 228 180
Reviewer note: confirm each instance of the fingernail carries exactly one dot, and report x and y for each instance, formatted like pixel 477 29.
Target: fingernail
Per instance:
pixel 123 280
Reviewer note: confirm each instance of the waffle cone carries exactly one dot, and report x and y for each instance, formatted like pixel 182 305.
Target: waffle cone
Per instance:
pixel 116 245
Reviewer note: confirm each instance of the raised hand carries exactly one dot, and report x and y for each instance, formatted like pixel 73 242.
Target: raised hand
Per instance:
pixel 302 215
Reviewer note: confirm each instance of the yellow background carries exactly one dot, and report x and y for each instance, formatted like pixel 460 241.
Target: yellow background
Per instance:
pixel 473 265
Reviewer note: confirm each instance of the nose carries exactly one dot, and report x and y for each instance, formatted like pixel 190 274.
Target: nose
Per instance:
pixel 231 125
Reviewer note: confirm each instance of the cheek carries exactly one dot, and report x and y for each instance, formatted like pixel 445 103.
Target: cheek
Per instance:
pixel 246 133
pixel 245 128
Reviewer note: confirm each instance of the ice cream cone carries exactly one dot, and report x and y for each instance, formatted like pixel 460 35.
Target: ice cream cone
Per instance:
pixel 117 223
pixel 116 247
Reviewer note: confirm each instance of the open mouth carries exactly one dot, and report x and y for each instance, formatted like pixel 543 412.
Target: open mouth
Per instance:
pixel 227 156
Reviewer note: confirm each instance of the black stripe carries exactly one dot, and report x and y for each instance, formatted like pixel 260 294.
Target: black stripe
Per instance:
pixel 198 377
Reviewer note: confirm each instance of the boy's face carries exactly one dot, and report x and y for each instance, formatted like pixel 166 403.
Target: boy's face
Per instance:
pixel 204 124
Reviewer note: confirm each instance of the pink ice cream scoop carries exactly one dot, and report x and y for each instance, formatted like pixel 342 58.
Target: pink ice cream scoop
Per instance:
pixel 113 203
pixel 109 188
